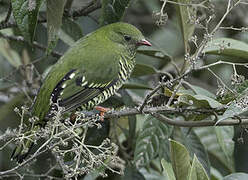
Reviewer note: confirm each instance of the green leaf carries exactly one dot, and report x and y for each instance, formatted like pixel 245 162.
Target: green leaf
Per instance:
pixel 200 91
pixel 7 78
pixel 195 147
pixel 237 107
pixel 224 137
pixel 184 14
pixel 164 151
pixel 168 170
pixel 135 86
pixel 240 88
pixel 208 138
pixel 55 10
pixel 197 171
pixel 7 110
pixel 149 140
pixel 215 174
pixel 70 31
pixel 9 54
pixel 193 144
pixel 230 96
pixel 113 11
pixel 199 101
pixel 232 110
pixel 134 83
pixel 151 174
pixel 228 47
pixel 154 56
pixel 26 15
pixel 236 176
pixel 155 53
pixel 180 159
pixel 143 70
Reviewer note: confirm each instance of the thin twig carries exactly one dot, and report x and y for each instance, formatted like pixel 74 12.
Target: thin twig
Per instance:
pixel 205 40
pixel 174 93
pixel 159 109
pixel 148 96
pixel 92 6
pixel 180 123
pixel 189 4
pixel 220 80
pixel 221 62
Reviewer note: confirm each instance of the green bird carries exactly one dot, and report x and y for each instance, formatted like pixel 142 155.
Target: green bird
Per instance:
pixel 91 71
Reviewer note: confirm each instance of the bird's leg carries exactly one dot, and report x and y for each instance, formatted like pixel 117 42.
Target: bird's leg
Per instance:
pixel 102 110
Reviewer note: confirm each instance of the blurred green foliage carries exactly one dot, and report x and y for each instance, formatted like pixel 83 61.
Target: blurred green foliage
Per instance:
pixel 150 148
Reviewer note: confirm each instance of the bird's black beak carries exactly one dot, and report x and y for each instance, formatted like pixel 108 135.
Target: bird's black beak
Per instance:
pixel 144 42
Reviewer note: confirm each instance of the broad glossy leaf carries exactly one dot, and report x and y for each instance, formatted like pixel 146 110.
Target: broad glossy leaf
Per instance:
pixel 228 47
pixel 5 69
pixel 156 53
pixel 151 174
pixel 135 86
pixel 7 111
pixel 215 174
pixel 9 54
pixel 164 151
pixel 236 176
pixel 149 140
pixel 168 40
pixel 195 147
pixel 113 11
pixel 143 70
pixel 237 107
pixel 180 159
pixel 193 144
pixel 189 99
pixel 134 83
pixel 55 10
pixel 26 15
pixel 197 171
pixel 200 91
pixel 208 138
pixel 224 137
pixel 199 101
pixel 184 13
pixel 168 170
pixel 70 31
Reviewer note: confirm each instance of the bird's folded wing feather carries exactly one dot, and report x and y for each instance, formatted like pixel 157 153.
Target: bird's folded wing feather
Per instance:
pixel 75 91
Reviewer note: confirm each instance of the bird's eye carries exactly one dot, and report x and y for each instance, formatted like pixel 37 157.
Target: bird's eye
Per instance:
pixel 127 37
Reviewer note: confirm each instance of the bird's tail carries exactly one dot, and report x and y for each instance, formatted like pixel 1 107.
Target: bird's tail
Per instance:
pixel 22 150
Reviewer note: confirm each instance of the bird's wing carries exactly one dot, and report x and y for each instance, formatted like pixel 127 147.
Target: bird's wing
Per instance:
pixel 74 90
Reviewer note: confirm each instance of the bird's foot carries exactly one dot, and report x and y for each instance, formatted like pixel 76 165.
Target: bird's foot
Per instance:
pixel 102 110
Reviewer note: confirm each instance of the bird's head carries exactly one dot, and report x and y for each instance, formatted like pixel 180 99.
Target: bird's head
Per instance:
pixel 126 35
